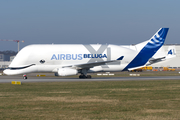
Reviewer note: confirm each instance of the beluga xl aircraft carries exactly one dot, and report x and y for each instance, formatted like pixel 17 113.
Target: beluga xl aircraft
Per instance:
pixel 73 59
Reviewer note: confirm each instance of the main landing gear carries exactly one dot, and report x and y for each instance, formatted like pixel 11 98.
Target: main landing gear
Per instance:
pixel 82 76
pixel 24 77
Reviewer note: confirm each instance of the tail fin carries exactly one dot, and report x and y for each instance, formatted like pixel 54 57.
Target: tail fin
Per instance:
pixel 148 48
pixel 157 40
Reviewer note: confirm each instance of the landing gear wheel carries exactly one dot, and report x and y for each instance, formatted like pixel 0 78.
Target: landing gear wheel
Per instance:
pixel 82 76
pixel 89 76
pixel 24 77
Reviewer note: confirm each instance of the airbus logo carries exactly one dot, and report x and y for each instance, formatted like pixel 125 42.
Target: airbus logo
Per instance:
pixel 76 56
pixel 94 56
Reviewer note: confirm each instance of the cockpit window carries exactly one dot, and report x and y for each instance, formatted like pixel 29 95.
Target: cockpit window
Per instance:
pixel 17 68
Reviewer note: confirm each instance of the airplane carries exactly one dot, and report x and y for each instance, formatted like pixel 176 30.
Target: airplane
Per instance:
pixel 171 53
pixel 74 59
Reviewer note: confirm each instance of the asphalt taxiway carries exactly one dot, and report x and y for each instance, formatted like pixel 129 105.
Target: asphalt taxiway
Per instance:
pixel 7 79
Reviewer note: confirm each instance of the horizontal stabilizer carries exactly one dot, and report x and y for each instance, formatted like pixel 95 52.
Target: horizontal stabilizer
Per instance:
pixel 120 58
pixel 151 61
pixel 170 54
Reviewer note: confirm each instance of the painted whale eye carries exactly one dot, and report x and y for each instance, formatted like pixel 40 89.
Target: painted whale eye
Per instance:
pixel 42 61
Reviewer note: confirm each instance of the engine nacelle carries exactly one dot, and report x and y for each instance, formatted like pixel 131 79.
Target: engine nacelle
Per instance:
pixel 66 72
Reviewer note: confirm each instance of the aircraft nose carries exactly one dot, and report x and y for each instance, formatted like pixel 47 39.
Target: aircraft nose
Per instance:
pixel 11 72
pixel 6 72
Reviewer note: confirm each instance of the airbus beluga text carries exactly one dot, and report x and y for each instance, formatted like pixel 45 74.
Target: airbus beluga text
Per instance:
pixel 73 59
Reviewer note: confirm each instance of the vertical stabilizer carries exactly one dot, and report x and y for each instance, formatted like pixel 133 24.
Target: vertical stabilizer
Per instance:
pixel 148 48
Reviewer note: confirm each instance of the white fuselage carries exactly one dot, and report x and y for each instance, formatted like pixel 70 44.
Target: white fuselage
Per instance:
pixel 49 58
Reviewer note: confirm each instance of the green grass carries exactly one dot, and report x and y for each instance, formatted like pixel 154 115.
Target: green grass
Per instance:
pixel 106 100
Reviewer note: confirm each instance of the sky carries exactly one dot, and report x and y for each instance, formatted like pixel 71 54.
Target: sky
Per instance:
pixel 120 22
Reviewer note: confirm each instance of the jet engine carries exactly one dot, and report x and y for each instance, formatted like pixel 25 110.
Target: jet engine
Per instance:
pixel 66 72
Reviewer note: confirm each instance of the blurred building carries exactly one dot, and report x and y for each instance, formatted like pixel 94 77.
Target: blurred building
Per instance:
pixel 5 61
pixel 172 62
pixel 4 64
pixel 4 57
pixel 12 57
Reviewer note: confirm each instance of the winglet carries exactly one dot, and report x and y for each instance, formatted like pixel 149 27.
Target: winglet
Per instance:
pixel 120 58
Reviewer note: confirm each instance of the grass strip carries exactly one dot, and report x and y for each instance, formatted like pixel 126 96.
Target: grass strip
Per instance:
pixel 126 100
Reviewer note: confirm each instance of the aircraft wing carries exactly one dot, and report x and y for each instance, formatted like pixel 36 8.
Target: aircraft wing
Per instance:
pixel 90 65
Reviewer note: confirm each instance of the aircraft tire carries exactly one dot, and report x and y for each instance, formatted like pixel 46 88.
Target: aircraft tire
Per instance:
pixel 89 76
pixel 82 77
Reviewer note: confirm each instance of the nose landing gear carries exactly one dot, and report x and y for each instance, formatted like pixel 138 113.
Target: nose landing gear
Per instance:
pixel 24 77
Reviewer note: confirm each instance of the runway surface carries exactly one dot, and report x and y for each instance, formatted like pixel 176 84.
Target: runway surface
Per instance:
pixel 7 79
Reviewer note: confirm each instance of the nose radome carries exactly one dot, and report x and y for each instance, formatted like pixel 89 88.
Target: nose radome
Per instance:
pixel 5 72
